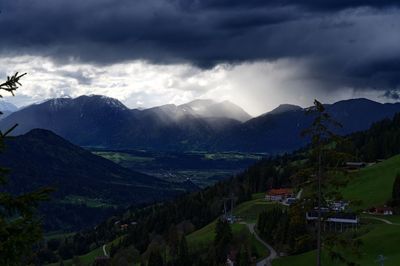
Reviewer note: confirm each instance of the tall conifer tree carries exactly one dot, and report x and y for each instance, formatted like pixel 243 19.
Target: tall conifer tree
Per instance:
pixel 20 227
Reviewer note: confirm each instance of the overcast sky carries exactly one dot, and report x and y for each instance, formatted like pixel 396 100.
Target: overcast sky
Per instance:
pixel 257 53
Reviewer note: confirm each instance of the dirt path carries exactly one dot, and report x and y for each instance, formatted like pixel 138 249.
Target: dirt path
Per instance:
pixel 298 196
pixel 105 251
pixel 272 253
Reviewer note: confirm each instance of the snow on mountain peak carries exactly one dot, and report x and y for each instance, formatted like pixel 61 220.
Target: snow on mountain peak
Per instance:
pixel 58 103
pixel 113 102
pixel 7 107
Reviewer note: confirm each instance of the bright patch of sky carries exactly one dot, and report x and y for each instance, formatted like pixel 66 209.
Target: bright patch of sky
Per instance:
pixel 256 86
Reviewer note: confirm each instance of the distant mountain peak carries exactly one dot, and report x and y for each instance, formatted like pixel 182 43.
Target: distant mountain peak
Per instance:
pixel 40 132
pixel 198 105
pixel 7 106
pixel 102 100
pixel 200 102
pixel 58 102
pixel 210 108
pixel 283 108
pixel 356 102
pixel 113 102
pixel 166 106
pixel 44 134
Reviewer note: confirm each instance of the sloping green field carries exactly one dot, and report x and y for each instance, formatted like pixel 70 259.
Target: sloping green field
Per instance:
pixel 202 239
pixel 382 239
pixel 373 185
pixel 249 210
pixel 86 260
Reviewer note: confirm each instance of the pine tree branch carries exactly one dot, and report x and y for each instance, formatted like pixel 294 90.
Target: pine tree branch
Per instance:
pixel 12 83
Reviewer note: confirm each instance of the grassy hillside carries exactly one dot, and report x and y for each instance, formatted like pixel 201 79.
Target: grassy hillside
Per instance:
pixel 379 239
pixel 203 238
pixel 249 211
pixel 86 260
pixel 373 185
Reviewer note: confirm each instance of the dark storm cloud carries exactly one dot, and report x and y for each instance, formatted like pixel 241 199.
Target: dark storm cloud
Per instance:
pixel 344 39
pixel 108 31
pixel 391 94
pixel 326 5
pixel 385 71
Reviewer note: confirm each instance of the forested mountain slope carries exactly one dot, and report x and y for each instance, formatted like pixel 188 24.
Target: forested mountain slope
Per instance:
pixel 280 131
pixel 81 179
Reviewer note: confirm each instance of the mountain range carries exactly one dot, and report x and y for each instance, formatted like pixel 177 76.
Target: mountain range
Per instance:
pixel 105 122
pixel 6 108
pixel 280 130
pixel 100 121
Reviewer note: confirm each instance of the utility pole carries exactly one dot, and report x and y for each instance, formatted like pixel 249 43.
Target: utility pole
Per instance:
pixel 228 214
pixel 319 209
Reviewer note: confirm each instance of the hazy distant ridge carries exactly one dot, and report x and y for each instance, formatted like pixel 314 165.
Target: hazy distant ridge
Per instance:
pixel 199 125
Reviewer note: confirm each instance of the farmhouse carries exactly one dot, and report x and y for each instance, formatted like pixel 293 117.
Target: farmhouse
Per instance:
pixel 381 210
pixel 279 194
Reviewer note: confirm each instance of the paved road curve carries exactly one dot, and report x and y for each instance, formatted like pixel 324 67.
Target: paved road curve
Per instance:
pixel 272 253
pixel 105 251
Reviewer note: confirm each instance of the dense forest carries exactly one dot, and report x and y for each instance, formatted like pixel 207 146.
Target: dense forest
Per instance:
pixel 189 211
pixel 381 141
pixel 166 224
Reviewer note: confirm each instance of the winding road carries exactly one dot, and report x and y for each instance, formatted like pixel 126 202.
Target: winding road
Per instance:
pixel 272 253
pixel 105 251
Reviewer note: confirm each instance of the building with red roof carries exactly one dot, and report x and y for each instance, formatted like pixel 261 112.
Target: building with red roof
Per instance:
pixel 279 194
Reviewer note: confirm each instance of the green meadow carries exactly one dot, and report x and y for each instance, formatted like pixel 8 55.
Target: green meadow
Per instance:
pixel 373 185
